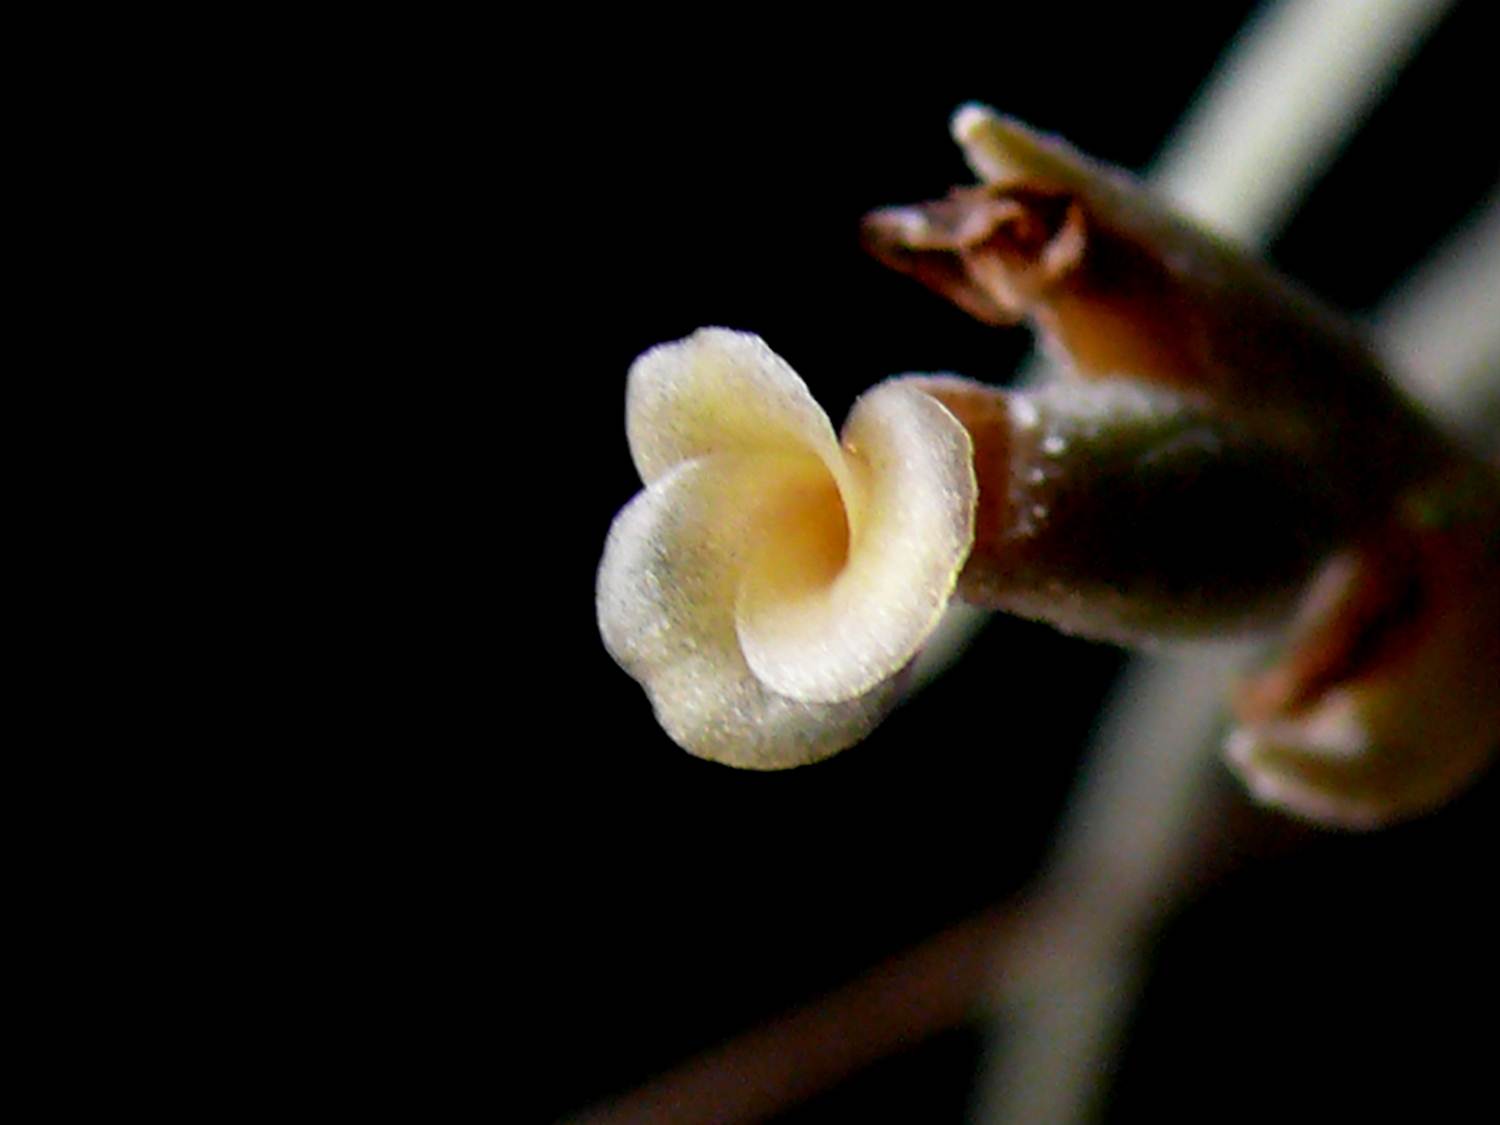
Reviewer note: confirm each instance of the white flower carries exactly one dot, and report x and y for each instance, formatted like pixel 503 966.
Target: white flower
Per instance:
pixel 770 585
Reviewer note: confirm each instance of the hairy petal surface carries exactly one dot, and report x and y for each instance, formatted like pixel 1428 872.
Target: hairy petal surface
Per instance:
pixel 666 594
pixel 826 641
pixel 720 391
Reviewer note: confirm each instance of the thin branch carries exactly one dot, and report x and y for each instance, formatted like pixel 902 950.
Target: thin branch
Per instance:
pixel 1442 330
pixel 901 1002
pixel 1295 85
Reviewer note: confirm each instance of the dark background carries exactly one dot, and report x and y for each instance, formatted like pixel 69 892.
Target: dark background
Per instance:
pixel 653 904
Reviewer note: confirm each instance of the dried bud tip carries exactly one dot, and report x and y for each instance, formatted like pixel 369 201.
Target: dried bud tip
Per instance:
pixel 1002 150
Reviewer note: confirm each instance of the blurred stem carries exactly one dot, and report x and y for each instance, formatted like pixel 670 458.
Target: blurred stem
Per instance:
pixel 1442 330
pixel 901 1002
pixel 1293 88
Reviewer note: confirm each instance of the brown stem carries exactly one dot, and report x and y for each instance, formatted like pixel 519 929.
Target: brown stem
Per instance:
pixel 902 1002
pixel 965 972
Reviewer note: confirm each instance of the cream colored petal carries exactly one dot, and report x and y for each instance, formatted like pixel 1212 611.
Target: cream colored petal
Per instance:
pixel 720 391
pixel 821 637
pixel 666 586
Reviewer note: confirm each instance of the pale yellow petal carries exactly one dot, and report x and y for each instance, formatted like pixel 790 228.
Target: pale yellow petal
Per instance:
pixel 720 391
pixel 814 635
pixel 666 586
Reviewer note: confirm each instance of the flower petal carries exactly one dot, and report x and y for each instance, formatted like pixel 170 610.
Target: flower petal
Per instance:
pixel 721 391
pixel 824 641
pixel 666 587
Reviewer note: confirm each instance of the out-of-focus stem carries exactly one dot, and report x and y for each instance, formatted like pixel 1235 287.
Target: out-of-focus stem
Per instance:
pixel 1296 83
pixel 1442 329
pixel 904 1000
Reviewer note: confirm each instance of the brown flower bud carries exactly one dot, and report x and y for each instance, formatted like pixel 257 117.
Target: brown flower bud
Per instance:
pixel 1120 287
pixel 1387 700
pixel 1186 460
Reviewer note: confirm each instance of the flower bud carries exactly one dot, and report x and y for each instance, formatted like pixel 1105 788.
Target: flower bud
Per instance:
pixel 1386 702
pixel 1183 464
pixel 1119 287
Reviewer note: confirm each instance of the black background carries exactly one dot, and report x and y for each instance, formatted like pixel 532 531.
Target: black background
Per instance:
pixel 632 905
